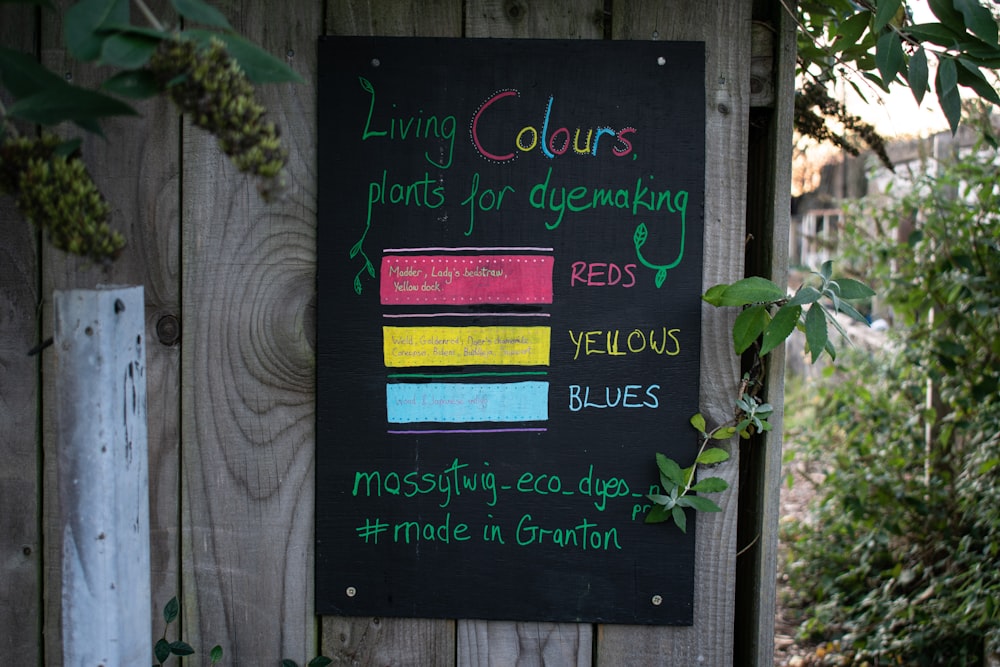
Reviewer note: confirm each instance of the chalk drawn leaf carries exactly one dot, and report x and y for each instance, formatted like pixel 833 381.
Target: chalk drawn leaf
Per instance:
pixel 661 277
pixel 370 269
pixel 640 236
pixel 355 249
pixel 367 85
pixel 357 285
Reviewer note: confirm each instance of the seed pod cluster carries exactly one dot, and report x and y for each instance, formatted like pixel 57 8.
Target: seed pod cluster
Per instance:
pixel 814 95
pixel 56 193
pixel 209 85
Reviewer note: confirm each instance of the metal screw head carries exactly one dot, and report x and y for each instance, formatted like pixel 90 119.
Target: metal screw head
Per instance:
pixel 351 591
pixel 657 600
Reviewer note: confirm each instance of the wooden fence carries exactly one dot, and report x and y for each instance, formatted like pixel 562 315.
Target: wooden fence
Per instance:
pixel 230 312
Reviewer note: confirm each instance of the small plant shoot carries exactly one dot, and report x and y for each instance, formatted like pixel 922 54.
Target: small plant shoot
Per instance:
pixel 768 318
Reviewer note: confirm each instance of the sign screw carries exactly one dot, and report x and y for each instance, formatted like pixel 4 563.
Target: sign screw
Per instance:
pixel 351 591
pixel 657 600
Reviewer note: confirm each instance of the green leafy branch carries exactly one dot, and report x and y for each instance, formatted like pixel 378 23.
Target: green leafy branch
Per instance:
pixel 768 318
pixel 769 313
pixel 678 483
pixel 163 649
pixel 208 72
pixel 876 41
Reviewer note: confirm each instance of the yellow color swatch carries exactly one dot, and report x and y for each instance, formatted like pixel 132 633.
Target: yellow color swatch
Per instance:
pixel 466 346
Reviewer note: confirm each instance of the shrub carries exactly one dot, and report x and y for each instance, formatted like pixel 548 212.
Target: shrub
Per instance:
pixel 900 560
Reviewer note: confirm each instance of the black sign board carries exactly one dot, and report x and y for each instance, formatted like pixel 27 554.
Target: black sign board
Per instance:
pixel 509 271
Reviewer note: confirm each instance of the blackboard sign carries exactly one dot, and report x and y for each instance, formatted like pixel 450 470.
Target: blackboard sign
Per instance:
pixel 509 271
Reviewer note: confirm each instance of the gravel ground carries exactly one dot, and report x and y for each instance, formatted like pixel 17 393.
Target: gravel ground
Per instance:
pixel 794 500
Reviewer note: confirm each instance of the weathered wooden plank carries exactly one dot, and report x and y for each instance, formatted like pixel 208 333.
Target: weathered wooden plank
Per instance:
pixel 136 169
pixel 762 65
pixel 725 28
pixel 248 372
pixel 500 643
pixel 768 222
pixel 505 642
pixel 432 18
pixel 558 19
pixel 20 541
pixel 391 641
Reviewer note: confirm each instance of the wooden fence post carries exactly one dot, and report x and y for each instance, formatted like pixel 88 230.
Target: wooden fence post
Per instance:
pixel 100 362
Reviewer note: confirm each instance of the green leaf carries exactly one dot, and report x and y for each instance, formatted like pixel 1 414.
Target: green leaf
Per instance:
pixel 724 433
pixel 128 51
pixel 82 24
pixel 661 277
pixel 67 102
pixel 698 503
pixel 698 421
pixel 826 269
pixel 945 12
pixel 805 295
pixel 850 31
pixel 320 661
pixel 947 75
pixel 171 609
pixel 711 485
pixel 816 335
pixel 884 12
pixel 946 83
pixel 200 12
pixel 714 294
pixel 112 28
pixel 781 327
pixel 136 85
pixel 680 519
pixel 215 655
pixel 712 455
pixel 688 475
pixel 22 75
pixel 259 65
pixel 161 650
pixel 978 20
pixel 659 499
pixel 748 325
pixel 853 289
pixel 658 514
pixel 917 74
pixel 751 290
pixel 970 76
pixel 986 466
pixel 670 469
pixel 181 648
pixel 935 33
pixel 849 310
